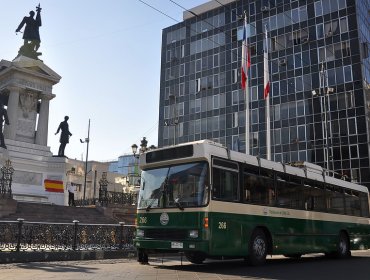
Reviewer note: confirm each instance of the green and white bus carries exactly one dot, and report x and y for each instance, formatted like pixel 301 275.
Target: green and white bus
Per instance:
pixel 207 201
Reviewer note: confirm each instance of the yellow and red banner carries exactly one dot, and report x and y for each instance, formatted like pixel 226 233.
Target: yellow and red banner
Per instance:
pixel 53 185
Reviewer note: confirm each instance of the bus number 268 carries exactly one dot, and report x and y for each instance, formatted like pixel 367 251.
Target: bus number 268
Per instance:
pixel 222 225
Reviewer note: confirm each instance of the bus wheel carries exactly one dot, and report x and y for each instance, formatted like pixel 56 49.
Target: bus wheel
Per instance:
pixel 142 257
pixel 196 258
pixel 343 246
pixel 257 248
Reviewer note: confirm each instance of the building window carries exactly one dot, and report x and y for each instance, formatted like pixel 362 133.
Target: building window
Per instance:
pixel 235 76
pixel 235 119
pixel 353 149
pixel 235 96
pixel 182 70
pixel 301 133
pixel 277 136
pixel 180 109
pixel 254 140
pixel 216 60
pixel 347 73
pixel 165 132
pixel 350 99
pixel 197 85
pixel 166 112
pixel 181 89
pixel 234 35
pixel 276 109
pixel 233 15
pixel 300 108
pixel 318 8
pixel 166 93
pixel 354 175
pixel 346 51
pixel 236 143
pixel 254 93
pixel 216 101
pixel 252 9
pixel 254 116
pixel 197 127
pixel 216 123
pixel 343 24
pixel 198 103
pixel 352 127
pixel 320 31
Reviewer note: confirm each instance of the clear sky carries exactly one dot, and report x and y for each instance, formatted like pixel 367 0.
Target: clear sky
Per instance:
pixel 108 54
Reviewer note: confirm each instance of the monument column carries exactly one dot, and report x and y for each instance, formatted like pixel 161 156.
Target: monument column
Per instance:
pixel 10 130
pixel 42 126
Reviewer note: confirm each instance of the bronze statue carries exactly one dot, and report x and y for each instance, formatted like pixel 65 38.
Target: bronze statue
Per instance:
pixel 3 116
pixel 64 136
pixel 31 34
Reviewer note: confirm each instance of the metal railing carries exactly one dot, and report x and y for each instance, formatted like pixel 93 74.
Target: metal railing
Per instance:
pixel 21 236
pixel 107 198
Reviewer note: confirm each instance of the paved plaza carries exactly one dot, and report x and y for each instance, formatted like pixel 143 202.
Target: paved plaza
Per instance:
pixel 309 267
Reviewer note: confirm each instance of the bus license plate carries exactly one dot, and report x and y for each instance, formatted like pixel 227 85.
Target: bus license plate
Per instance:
pixel 177 245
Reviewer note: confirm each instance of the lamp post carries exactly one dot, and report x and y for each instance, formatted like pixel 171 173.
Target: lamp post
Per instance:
pixel 87 141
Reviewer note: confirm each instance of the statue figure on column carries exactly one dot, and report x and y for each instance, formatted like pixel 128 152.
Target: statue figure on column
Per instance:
pixel 31 34
pixel 3 116
pixel 64 136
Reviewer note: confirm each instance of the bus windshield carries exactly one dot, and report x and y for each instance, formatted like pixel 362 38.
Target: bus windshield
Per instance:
pixel 180 186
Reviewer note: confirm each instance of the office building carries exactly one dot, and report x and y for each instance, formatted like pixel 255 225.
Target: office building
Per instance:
pixel 319 73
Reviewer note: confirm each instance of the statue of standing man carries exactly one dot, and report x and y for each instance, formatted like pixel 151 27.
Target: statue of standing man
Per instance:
pixel 64 136
pixel 3 117
pixel 31 34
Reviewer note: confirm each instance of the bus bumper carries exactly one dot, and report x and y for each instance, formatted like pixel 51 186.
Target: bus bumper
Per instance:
pixel 171 246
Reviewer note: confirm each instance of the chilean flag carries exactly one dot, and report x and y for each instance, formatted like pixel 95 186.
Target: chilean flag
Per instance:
pixel 266 71
pixel 246 58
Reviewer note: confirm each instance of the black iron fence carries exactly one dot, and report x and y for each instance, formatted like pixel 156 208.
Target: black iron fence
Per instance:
pixel 107 198
pixel 21 236
pixel 6 176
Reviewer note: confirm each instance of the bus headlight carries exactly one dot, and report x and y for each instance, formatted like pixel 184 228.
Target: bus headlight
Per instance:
pixel 140 233
pixel 193 233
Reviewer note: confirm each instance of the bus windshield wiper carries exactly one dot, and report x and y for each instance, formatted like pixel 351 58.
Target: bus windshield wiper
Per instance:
pixel 178 203
pixel 162 192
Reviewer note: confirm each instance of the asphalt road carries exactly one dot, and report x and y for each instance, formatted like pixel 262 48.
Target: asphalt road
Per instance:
pixel 309 267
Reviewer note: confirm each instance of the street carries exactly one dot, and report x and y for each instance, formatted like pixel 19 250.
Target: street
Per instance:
pixel 309 267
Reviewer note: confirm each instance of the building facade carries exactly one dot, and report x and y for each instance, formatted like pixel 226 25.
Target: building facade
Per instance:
pixel 319 74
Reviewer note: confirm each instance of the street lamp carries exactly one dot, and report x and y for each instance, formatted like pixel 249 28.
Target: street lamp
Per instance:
pixel 134 149
pixel 87 141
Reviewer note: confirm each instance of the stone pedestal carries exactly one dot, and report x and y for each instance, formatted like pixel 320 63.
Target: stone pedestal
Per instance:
pixel 26 90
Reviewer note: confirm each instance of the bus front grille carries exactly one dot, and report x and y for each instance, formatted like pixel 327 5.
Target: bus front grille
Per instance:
pixel 166 234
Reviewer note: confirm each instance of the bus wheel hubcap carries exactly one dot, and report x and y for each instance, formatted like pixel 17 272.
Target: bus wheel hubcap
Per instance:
pixel 342 246
pixel 259 247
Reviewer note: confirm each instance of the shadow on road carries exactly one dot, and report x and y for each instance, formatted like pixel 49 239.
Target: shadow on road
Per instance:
pixel 55 267
pixel 318 267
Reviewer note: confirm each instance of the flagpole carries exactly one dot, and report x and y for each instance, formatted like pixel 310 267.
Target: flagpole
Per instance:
pixel 245 64
pixel 267 97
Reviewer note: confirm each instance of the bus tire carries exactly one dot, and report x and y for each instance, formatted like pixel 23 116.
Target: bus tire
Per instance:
pixel 343 247
pixel 142 257
pixel 257 248
pixel 194 257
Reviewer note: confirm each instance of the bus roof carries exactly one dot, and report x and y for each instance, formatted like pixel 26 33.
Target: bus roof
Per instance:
pixel 206 148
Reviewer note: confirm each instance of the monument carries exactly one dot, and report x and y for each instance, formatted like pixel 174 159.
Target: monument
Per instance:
pixel 26 89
